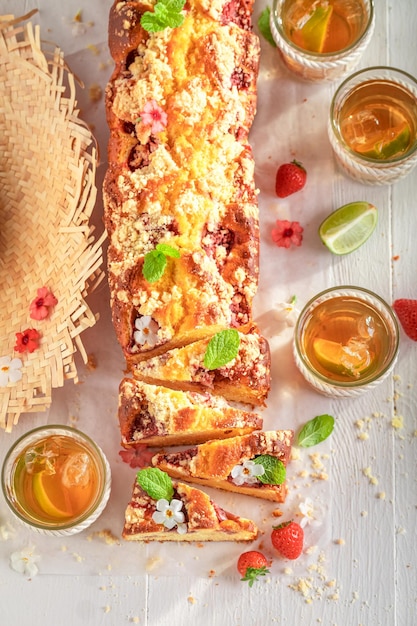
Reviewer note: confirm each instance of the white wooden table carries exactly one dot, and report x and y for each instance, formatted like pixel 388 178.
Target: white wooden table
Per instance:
pixel 360 563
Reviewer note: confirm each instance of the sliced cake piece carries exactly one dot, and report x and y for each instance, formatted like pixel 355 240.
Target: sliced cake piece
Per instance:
pixel 245 378
pixel 187 514
pixel 233 464
pixel 159 416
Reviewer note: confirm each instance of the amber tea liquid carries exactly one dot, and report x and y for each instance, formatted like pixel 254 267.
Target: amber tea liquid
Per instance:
pixel 347 22
pixel 55 480
pixel 345 339
pixel 379 113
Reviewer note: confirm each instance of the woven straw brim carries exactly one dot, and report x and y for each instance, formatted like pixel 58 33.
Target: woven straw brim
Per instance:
pixel 47 194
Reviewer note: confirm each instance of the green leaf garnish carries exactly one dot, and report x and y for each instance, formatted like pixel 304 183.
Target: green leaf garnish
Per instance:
pixel 315 431
pixel 168 250
pixel 275 471
pixel 264 27
pixel 156 260
pixel 166 14
pixel 253 573
pixel 222 348
pixel 156 483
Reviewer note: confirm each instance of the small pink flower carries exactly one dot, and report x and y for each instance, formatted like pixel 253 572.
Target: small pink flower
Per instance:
pixel 137 457
pixel 287 233
pixel 27 341
pixel 153 116
pixel 39 307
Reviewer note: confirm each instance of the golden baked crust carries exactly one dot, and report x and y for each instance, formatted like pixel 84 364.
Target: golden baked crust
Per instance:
pixel 244 379
pixel 158 416
pixel 205 520
pixel 211 463
pixel 189 184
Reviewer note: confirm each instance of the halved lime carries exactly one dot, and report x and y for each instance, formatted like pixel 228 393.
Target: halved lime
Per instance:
pixel 339 359
pixel 314 31
pixel 55 505
pixel 395 141
pixel 347 228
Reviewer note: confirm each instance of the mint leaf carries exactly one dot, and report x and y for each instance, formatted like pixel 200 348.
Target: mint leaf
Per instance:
pixel 315 431
pixel 166 14
pixel 275 471
pixel 264 27
pixel 154 265
pixel 222 348
pixel 167 250
pixel 155 261
pixel 156 483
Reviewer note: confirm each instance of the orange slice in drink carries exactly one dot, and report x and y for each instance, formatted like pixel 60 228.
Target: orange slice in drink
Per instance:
pixel 388 144
pixel 314 31
pixel 340 359
pixel 54 502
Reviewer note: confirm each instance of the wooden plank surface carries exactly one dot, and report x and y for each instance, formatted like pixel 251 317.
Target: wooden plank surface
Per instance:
pixel 360 568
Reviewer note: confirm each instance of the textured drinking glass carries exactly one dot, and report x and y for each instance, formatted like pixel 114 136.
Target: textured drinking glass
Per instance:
pixel 346 341
pixel 349 32
pixel 372 125
pixel 56 480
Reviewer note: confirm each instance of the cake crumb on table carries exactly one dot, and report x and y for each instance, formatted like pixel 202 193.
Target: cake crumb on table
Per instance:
pixel 397 422
pixel 340 542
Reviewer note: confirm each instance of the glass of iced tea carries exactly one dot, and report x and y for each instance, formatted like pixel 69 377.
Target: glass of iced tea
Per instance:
pixel 346 341
pixel 56 480
pixel 373 125
pixel 321 40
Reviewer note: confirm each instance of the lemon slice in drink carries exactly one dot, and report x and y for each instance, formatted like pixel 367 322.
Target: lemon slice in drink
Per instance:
pixel 56 506
pixel 314 31
pixel 339 359
pixel 394 141
pixel 347 228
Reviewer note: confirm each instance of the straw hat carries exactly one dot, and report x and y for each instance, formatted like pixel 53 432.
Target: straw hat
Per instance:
pixel 47 195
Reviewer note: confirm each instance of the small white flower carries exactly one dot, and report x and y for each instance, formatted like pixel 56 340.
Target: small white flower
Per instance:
pixel 309 513
pixel 247 473
pixel 9 370
pixel 146 331
pixel 7 531
pixel 170 515
pixel 24 562
pixel 287 312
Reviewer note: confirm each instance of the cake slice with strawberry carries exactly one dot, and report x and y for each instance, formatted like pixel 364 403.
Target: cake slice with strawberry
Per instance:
pixel 159 416
pixel 165 510
pixel 253 464
pixel 234 364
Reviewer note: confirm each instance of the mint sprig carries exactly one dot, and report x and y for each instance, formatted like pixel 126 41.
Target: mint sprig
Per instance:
pixel 275 472
pixel 156 483
pixel 264 27
pixel 156 260
pixel 315 431
pixel 222 348
pixel 166 14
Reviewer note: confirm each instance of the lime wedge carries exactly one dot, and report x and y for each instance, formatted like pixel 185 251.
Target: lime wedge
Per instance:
pixel 328 354
pixel 395 141
pixel 352 359
pixel 56 506
pixel 314 31
pixel 347 228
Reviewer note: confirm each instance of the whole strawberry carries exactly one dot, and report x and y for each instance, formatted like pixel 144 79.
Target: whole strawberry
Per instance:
pixel 251 565
pixel 290 177
pixel 288 539
pixel 406 311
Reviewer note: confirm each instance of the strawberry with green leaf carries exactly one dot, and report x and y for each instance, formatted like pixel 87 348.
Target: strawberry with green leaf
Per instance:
pixel 288 539
pixel 290 178
pixel 251 565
